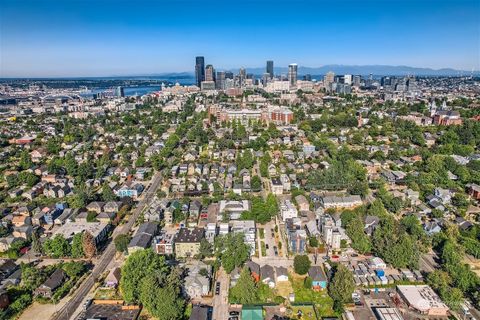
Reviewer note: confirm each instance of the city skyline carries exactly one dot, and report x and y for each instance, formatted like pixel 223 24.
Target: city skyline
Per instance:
pixel 85 38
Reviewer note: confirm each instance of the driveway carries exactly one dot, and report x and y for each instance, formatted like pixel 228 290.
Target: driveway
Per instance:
pixel 220 301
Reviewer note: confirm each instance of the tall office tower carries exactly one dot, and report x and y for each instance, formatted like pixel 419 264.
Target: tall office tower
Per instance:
pixel 199 70
pixel 307 77
pixel 209 73
pixel 348 78
pixel 220 80
pixel 292 74
pixel 120 92
pixel 270 68
pixel 242 75
pixel 357 80
pixel 265 78
pixel 329 78
pixel 228 75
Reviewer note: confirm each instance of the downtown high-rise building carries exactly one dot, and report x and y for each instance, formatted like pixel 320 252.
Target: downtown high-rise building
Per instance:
pixel 292 74
pixel 199 70
pixel 269 69
pixel 329 78
pixel 220 80
pixel 242 75
pixel 209 73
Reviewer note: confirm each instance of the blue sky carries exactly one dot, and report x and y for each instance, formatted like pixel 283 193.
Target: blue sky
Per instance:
pixel 115 37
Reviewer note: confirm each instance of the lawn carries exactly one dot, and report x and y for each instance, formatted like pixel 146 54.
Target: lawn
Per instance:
pixel 261 231
pixel 265 293
pixel 264 248
pixel 107 294
pixel 307 313
pixel 321 299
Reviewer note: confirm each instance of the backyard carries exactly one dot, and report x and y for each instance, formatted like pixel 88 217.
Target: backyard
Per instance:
pixel 321 299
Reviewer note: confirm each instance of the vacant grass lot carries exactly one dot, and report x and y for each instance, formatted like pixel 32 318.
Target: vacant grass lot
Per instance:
pixel 321 299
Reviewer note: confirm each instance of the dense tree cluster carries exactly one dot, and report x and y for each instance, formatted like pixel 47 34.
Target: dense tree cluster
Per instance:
pixel 262 210
pixel 147 279
pixel 231 251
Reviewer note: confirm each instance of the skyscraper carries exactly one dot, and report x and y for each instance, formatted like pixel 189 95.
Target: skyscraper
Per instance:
pixel 242 75
pixel 270 68
pixel 199 70
pixel 329 78
pixel 209 73
pixel 220 80
pixel 292 74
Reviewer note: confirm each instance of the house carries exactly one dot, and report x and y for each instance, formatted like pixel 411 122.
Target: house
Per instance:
pixel 112 206
pixel 276 186
pixel 7 267
pixel 187 242
pixel 195 208
pixel 143 237
pixel 200 312
pixel 248 229
pixel 473 190
pixel 288 210
pixel 371 223
pixel 47 289
pixel 164 243
pixel 341 202
pixel 130 190
pixel 113 278
pixel 281 274
pixel 267 275
pixel 233 208
pixel 302 203
pixel 96 206
pixel 105 217
pixel 197 282
pixel 319 279
pixel 254 270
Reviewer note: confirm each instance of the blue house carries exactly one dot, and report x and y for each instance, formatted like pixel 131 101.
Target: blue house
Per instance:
pixel 130 191
pixel 319 279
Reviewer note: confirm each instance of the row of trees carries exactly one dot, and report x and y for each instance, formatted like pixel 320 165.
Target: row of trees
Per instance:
pixel 82 245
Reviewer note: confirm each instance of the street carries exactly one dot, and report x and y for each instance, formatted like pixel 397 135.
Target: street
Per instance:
pixel 77 297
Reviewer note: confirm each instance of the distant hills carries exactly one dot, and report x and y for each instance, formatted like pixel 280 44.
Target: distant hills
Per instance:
pixel 376 70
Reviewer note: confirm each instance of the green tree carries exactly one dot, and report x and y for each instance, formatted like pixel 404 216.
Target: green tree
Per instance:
pixel 161 295
pixel 73 269
pixel 360 241
pixel 77 246
pixel 256 183
pixel 57 247
pixel 341 287
pixel 301 264
pixel 25 160
pixel 245 291
pixel 108 194
pixel 121 242
pixel 231 251
pixel 206 249
pixel 138 266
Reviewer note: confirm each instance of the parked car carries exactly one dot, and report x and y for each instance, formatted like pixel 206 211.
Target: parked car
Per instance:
pixel 234 313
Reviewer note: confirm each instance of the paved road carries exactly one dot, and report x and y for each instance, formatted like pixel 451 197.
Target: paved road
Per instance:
pixel 220 302
pixel 71 306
